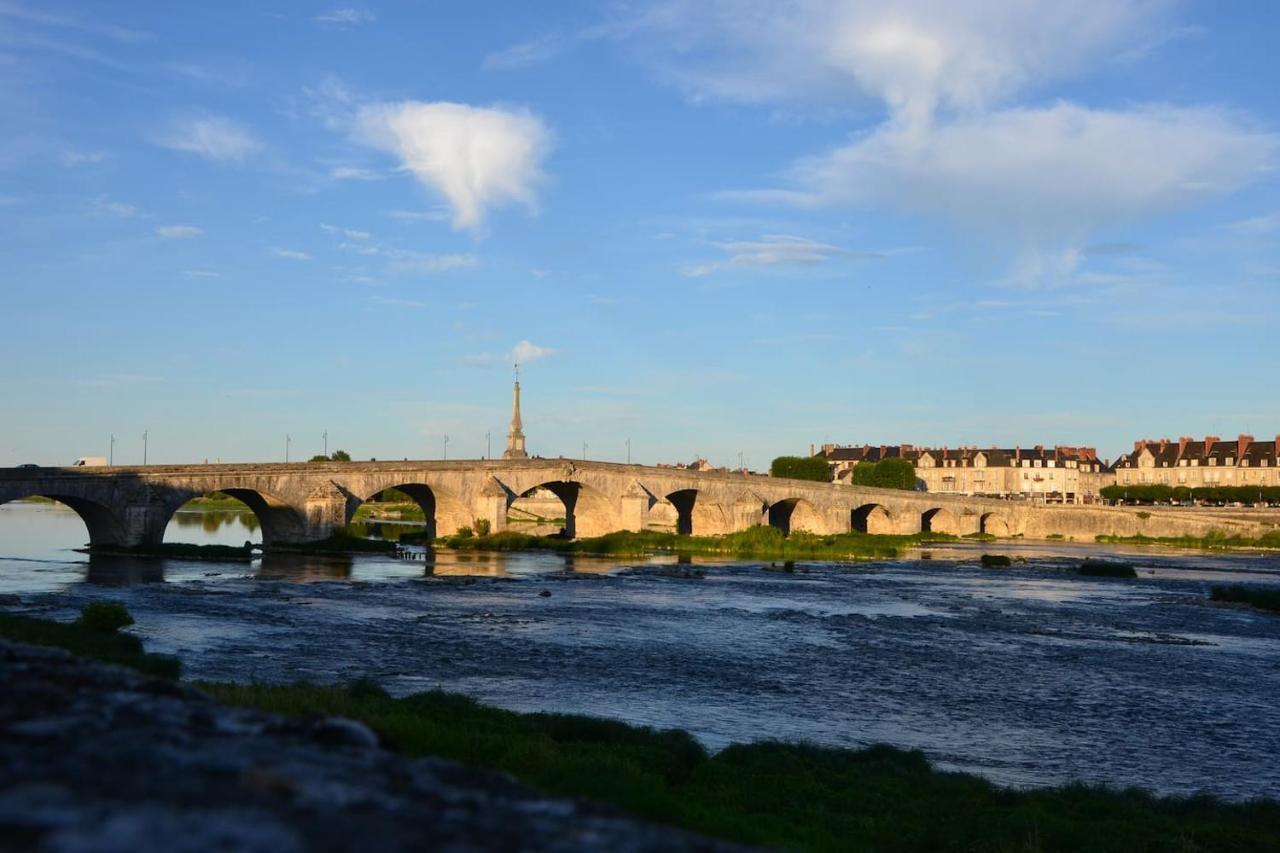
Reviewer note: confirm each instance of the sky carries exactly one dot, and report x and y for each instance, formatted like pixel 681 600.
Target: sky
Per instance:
pixel 703 227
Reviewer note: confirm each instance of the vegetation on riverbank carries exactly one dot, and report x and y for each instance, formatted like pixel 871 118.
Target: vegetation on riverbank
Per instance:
pixel 1214 540
pixel 813 468
pixel 177 550
pixel 760 542
pixel 341 541
pixel 792 796
pixel 1160 493
pixel 216 501
pixel 1263 598
pixel 780 795
pixel 95 635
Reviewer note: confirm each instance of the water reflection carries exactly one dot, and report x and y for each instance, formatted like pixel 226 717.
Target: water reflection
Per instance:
pixel 105 570
pixel 214 521
pixel 302 568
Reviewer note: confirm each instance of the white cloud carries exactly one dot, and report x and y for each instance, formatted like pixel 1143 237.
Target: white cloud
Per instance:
pixel 213 137
pixel 346 17
pixel 178 232
pixel 201 274
pixel 525 352
pixel 291 254
pixel 439 215
pixel 71 159
pixel 914 55
pixel 475 157
pixel 1049 173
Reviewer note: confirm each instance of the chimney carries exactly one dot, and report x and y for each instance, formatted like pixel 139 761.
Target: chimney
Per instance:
pixel 810 449
pixel 1017 454
pixel 1242 444
pixel 1183 441
pixel 1139 444
pixel 1209 442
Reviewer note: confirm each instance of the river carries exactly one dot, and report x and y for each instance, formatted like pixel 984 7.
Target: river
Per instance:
pixel 1029 676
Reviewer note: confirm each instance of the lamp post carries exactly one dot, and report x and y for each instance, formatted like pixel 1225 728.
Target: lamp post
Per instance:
pixel 488 445
pixel 144 447
pixel 111 454
pixel 287 440
pixel 446 445
pixel 584 451
pixel 628 451
pixel 326 442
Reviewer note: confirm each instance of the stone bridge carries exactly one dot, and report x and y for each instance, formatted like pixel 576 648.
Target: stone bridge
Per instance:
pixel 306 501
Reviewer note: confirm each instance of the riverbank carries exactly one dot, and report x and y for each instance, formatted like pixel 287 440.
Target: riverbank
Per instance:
pixel 784 795
pixel 1212 541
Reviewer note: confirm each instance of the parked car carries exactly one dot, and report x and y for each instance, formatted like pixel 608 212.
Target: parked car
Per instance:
pixel 28 465
pixel 89 462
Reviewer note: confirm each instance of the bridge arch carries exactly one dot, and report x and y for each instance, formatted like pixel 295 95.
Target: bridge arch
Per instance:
pixel 587 510
pixel 994 524
pixel 939 520
pixel 279 520
pixel 696 516
pixel 104 524
pixel 871 518
pixel 443 513
pixel 795 514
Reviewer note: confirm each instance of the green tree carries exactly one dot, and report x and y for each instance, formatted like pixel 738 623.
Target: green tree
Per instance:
pixel 801 468
pixel 885 474
pixel 340 456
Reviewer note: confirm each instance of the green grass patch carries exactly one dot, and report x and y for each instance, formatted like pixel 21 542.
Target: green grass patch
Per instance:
pixel 1214 540
pixel 1106 569
pixel 760 542
pixel 778 795
pixel 95 635
pixel 1263 598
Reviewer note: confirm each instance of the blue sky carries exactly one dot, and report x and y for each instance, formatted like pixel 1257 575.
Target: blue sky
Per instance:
pixel 707 227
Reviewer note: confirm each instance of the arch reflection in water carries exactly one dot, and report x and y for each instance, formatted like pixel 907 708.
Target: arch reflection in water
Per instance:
pixel 214 527
pixel 301 568
pixel 110 570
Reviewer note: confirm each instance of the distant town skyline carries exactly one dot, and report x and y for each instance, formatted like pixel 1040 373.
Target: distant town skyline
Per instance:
pixel 702 228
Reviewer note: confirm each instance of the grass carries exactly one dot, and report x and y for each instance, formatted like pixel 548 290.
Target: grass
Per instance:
pixel 780 795
pixel 184 550
pixel 1263 598
pixel 95 635
pixel 1106 569
pixel 760 542
pixel 1214 540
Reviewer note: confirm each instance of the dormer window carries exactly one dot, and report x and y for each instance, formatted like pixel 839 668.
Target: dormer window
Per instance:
pixel 1231 460
pixel 1213 461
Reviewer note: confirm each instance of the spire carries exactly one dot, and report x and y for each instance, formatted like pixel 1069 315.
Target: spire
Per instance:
pixel 515 438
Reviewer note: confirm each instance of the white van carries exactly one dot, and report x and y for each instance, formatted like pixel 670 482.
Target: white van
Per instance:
pixel 89 462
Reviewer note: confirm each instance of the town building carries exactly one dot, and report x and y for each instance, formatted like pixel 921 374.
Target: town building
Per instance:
pixel 1197 464
pixel 1054 475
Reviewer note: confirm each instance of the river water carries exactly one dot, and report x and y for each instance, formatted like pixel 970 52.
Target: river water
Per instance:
pixel 1029 676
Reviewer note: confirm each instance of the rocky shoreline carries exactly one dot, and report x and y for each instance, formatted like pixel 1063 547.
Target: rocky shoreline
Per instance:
pixel 95 757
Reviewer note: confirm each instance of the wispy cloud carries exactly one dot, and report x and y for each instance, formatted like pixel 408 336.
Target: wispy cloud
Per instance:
pixel 1265 224
pixel 178 232
pixel 527 53
pixel 290 254
pixel 346 17
pixel 348 233
pixel 477 158
pixel 215 138
pixel 437 215
pixel 394 302
pixel 409 263
pixel 201 274
pixel 107 205
pixel 355 173
pixel 71 159
pixel 19 12
pixel 774 250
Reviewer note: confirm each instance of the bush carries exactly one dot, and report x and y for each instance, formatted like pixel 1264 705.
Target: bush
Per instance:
pixel 1260 597
pixel 482 526
pixel 801 468
pixel 1160 493
pixel 996 561
pixel 105 617
pixel 463 533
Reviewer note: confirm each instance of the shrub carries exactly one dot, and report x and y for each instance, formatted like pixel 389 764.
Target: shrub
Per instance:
pixel 996 561
pixel 801 468
pixel 1260 597
pixel 463 533
pixel 1106 569
pixel 885 474
pixel 105 617
pixel 482 526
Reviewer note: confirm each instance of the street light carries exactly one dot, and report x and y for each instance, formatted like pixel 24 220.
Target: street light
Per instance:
pixel 111 454
pixel 287 439
pixel 446 446
pixel 326 442
pixel 488 446
pixel 144 447
pixel 584 451
pixel 628 451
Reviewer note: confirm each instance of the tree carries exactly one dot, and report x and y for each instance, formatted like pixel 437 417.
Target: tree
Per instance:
pixel 341 456
pixel 801 468
pixel 885 474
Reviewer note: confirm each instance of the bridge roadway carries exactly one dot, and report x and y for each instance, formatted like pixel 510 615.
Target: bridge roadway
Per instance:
pixel 304 501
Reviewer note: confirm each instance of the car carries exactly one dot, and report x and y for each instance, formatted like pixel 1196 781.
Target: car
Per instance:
pixel 28 465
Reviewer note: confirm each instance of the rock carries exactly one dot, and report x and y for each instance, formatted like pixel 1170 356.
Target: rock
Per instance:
pixel 546 593
pixel 97 758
